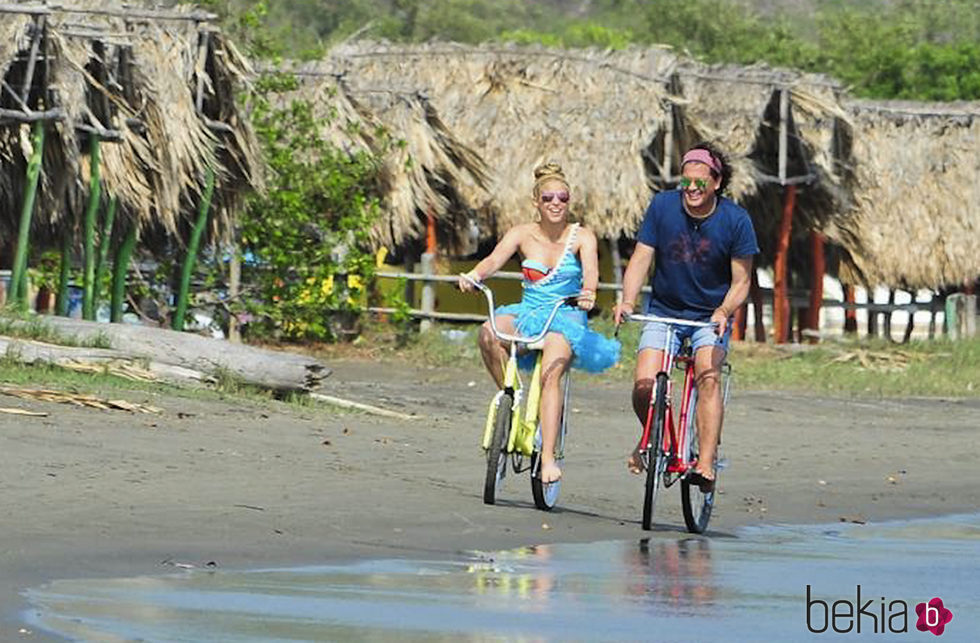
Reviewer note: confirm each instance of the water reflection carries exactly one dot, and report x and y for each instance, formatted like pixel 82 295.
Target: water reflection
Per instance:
pixel 745 588
pixel 677 573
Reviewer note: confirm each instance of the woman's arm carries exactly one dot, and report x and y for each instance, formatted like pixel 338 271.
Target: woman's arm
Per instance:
pixel 503 251
pixel 589 255
pixel 737 292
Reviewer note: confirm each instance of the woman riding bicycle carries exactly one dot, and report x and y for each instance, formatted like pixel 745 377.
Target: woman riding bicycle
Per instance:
pixel 559 260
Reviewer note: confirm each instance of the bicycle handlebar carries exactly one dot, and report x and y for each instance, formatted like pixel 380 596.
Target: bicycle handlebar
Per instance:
pixel 668 320
pixel 517 338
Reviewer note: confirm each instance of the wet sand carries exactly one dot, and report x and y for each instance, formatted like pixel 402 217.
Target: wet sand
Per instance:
pixel 89 493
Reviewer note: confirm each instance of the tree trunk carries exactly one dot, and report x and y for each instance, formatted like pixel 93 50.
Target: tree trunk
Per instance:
pixel 91 216
pixel 266 368
pixel 119 269
pixel 105 240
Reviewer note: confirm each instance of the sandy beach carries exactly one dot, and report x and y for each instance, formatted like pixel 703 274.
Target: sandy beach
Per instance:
pixel 93 493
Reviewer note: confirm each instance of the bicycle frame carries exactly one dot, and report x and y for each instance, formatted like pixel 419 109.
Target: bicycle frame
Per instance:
pixel 677 435
pixel 523 430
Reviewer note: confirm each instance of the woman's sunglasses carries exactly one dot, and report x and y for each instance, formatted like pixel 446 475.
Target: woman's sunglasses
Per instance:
pixel 548 197
pixel 700 184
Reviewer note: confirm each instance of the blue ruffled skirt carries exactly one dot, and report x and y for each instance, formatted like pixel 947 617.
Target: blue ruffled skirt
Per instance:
pixel 593 352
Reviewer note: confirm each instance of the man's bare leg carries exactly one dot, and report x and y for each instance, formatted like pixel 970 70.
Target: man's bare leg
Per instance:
pixel 710 411
pixel 648 363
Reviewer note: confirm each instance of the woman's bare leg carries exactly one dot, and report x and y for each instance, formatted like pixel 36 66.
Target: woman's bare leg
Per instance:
pixel 494 351
pixel 554 364
pixel 710 410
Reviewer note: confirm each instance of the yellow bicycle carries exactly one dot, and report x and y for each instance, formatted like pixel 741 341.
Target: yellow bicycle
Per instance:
pixel 513 428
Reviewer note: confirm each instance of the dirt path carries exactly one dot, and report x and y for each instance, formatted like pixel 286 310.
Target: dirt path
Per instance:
pixel 103 493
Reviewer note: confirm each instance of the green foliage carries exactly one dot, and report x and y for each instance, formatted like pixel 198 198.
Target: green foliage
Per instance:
pixel 307 237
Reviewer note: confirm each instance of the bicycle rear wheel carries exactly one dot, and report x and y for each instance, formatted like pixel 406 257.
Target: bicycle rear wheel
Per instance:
pixel 656 457
pixel 696 504
pixel 497 453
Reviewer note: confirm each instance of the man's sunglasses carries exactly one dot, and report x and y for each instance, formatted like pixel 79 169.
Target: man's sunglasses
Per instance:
pixel 548 197
pixel 700 184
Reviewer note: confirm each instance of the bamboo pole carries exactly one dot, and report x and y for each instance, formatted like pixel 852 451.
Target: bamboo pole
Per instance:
pixel 91 215
pixel 105 239
pixel 17 292
pixel 192 246
pixel 119 268
pixel 780 300
pixel 64 273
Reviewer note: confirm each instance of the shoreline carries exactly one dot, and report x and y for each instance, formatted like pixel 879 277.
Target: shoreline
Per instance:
pixel 92 494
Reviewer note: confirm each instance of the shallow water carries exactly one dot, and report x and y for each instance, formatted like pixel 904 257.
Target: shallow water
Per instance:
pixel 665 587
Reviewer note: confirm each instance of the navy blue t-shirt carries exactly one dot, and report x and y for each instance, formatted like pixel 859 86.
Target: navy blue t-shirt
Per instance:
pixel 693 259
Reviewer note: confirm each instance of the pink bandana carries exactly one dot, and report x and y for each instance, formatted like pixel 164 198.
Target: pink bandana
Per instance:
pixel 699 155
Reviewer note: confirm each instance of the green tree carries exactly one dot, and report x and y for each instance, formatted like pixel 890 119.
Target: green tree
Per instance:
pixel 307 238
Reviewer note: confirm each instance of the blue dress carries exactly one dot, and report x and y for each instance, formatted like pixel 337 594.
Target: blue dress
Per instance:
pixel 593 352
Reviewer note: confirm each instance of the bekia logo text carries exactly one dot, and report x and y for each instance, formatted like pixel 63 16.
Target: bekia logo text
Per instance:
pixel 876 616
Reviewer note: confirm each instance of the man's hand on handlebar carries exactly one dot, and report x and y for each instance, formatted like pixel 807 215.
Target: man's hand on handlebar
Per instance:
pixel 721 320
pixel 621 311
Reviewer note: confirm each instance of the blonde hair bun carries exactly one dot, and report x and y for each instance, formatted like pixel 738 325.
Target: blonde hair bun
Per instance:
pixel 550 171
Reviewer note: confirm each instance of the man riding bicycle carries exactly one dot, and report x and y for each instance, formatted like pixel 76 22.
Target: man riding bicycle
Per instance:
pixel 701 245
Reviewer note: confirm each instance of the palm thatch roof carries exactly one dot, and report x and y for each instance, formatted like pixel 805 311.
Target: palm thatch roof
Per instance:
pixel 520 107
pixel 426 169
pixel 915 222
pixel 157 87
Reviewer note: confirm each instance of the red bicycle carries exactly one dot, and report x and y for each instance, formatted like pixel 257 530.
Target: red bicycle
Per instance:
pixel 667 449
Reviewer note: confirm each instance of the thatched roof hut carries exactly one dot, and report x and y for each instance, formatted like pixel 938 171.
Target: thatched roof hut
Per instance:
pixel 519 107
pixel 915 222
pixel 156 86
pixel 426 169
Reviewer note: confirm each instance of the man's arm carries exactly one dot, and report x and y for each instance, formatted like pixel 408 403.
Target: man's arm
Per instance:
pixel 636 273
pixel 737 292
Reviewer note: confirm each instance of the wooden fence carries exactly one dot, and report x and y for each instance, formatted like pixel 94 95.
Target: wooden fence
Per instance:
pixel 959 309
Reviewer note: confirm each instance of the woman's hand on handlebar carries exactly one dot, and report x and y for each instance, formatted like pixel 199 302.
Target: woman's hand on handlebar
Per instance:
pixel 720 318
pixel 585 299
pixel 465 281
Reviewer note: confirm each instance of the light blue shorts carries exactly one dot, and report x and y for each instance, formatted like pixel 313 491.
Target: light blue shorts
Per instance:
pixel 654 335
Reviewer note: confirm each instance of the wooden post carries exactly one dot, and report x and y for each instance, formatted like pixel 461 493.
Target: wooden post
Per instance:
pixel 91 214
pixel 783 133
pixel 933 311
pixel 780 303
pixel 617 268
pixel 850 314
pixel 755 294
pixel 887 330
pixel 191 259
pixel 64 274
pixel 911 322
pixel 105 240
pixel 872 314
pixel 19 272
pixel 738 328
pixel 428 265
pixel 818 268
pixel 234 288
pixel 969 316
pixel 666 168
pixel 119 268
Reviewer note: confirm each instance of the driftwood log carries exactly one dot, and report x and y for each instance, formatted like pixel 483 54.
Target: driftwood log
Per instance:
pixel 186 353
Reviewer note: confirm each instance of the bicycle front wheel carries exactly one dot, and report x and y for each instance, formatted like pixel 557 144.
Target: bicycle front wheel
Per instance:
pixel 497 453
pixel 696 504
pixel 656 456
